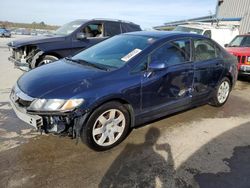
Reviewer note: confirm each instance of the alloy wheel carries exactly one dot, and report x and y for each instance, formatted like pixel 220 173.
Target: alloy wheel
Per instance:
pixel 109 127
pixel 223 92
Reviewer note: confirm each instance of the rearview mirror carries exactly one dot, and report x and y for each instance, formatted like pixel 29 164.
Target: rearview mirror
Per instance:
pixel 225 45
pixel 80 36
pixel 157 65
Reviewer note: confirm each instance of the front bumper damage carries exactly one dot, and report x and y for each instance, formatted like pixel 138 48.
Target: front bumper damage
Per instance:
pixel 33 120
pixel 63 123
pixel 25 58
pixel 23 65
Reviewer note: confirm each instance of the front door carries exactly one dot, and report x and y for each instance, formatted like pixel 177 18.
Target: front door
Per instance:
pixel 171 87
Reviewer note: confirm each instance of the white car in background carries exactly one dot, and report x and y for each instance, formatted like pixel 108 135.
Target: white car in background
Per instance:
pixel 221 34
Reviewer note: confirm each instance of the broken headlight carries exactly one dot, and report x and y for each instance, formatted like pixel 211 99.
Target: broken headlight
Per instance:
pixel 55 104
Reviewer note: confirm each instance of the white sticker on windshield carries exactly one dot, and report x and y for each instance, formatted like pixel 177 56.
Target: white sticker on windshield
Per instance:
pixel 131 54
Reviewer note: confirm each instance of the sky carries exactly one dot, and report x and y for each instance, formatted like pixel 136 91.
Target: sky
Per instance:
pixel 147 13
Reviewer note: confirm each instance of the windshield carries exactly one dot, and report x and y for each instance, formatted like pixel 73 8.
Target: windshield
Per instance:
pixel 188 30
pixel 240 41
pixel 116 51
pixel 69 28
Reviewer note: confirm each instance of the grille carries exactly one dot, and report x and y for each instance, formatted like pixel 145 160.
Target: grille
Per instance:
pixel 242 59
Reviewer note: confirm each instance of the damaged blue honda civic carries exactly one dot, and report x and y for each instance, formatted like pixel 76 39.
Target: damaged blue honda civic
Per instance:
pixel 103 92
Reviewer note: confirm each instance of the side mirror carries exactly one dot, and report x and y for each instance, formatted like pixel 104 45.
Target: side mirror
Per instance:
pixel 225 45
pixel 80 36
pixel 156 65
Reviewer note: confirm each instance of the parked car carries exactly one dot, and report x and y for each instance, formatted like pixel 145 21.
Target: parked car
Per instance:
pixel 4 32
pixel 21 31
pixel 106 90
pixel 240 47
pixel 68 40
pixel 221 34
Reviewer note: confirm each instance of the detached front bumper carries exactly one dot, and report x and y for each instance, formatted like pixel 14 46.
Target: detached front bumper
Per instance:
pixel 18 64
pixel 33 120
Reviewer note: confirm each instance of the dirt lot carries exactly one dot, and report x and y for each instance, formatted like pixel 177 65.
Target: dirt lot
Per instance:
pixel 202 147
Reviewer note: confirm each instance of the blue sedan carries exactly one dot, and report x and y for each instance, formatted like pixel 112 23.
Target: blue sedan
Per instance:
pixel 103 92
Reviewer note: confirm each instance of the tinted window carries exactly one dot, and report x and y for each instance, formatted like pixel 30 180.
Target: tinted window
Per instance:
pixel 171 53
pixel 130 27
pixel 204 50
pixel 112 28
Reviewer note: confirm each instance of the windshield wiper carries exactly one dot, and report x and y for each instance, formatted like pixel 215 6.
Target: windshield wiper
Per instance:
pixel 81 61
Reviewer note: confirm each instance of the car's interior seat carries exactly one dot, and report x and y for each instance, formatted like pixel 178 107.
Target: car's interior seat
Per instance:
pixel 202 52
pixel 88 32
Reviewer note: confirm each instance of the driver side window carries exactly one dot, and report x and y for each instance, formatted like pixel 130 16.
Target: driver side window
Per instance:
pixel 94 30
pixel 172 53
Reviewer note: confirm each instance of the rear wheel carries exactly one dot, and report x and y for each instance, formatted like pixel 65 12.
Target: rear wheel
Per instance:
pixel 107 126
pixel 46 59
pixel 222 93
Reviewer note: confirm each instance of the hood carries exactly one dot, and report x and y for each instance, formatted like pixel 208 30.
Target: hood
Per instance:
pixel 46 79
pixel 35 40
pixel 239 50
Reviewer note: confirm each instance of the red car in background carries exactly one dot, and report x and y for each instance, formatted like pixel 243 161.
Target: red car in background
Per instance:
pixel 240 47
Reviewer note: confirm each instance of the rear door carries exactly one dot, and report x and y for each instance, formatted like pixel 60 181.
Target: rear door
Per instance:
pixel 208 68
pixel 171 87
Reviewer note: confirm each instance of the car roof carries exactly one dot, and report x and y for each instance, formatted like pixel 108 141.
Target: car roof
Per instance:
pixel 163 34
pixel 104 19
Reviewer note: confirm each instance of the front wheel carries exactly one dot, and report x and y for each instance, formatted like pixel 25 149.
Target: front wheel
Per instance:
pixel 222 93
pixel 46 59
pixel 107 126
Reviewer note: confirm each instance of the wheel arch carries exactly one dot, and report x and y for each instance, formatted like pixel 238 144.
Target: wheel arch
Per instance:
pixel 40 54
pixel 230 77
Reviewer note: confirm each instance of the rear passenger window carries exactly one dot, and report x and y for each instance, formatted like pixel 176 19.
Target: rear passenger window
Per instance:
pixel 172 53
pixel 204 50
pixel 113 28
pixel 130 27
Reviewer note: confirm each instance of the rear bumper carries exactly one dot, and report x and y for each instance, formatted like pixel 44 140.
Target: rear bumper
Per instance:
pixel 33 120
pixel 18 64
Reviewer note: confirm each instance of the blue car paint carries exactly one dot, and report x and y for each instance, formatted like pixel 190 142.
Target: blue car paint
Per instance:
pixel 149 97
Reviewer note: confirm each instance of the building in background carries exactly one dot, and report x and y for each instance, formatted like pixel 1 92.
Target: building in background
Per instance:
pixel 235 9
pixel 228 12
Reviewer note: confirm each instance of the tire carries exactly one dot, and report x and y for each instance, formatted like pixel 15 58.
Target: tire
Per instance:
pixel 46 59
pixel 222 92
pixel 111 118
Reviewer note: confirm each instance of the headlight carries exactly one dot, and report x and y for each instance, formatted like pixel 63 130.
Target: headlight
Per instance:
pixel 55 104
pixel 248 59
